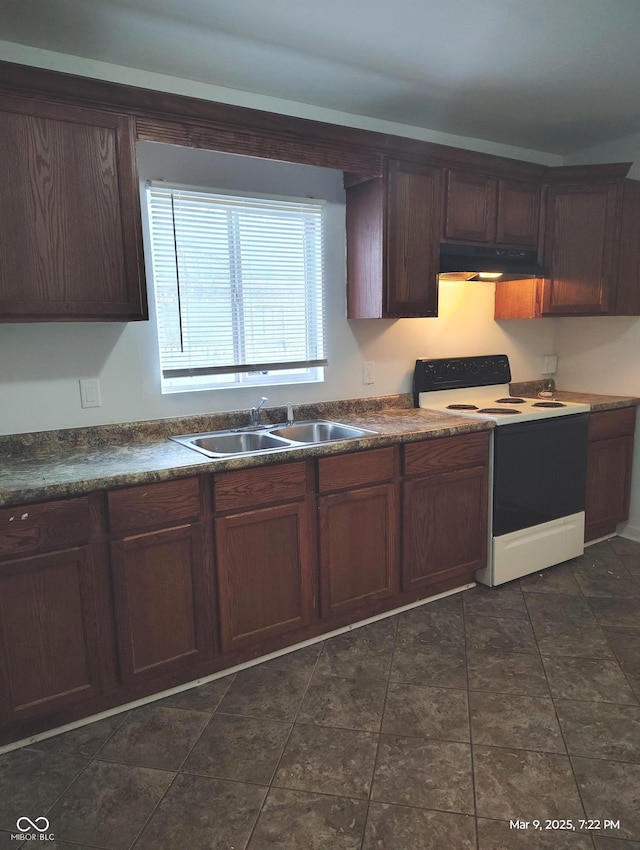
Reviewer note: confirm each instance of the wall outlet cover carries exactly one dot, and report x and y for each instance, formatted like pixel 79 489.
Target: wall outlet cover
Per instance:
pixel 369 372
pixel 90 392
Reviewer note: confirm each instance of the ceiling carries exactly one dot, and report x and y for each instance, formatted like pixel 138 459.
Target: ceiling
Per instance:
pixel 552 75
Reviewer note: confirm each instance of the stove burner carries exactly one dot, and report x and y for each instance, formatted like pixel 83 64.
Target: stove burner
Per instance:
pixel 510 400
pixel 548 404
pixel 461 407
pixel 498 410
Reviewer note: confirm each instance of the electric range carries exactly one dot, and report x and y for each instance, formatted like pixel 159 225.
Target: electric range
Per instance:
pixel 538 462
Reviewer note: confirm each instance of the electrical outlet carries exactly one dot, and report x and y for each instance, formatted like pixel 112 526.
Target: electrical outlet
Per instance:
pixel 369 372
pixel 90 392
pixel 549 364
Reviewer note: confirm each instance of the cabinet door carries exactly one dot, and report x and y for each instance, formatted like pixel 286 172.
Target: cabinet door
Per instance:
pixel 358 548
pixel 163 603
pixel 518 213
pixel 413 245
pixel 49 636
pixel 579 248
pixel 264 559
pixel 608 485
pixel 70 234
pixel 444 527
pixel 470 214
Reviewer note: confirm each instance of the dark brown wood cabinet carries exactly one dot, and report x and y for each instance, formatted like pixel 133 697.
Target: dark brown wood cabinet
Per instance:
pixel 444 511
pixel 609 464
pixel 518 214
pixel 471 207
pixel 359 530
pixel 393 227
pixel 591 248
pixel 162 584
pixel 265 553
pixel 70 232
pixel 579 248
pixel 486 209
pixel 49 601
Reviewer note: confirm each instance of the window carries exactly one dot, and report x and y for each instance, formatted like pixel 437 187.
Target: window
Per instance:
pixel 238 288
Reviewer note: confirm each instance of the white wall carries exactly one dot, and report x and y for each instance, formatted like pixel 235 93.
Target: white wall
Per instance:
pixel 601 354
pixel 43 362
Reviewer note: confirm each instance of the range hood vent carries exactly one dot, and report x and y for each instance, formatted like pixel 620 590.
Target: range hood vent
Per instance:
pixel 477 262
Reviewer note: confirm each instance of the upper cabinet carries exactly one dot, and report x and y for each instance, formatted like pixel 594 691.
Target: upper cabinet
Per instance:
pixel 491 210
pixel 393 227
pixel 70 223
pixel 579 248
pixel 70 233
pixel 591 247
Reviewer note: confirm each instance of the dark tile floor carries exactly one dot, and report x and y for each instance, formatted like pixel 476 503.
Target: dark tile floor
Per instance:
pixel 429 730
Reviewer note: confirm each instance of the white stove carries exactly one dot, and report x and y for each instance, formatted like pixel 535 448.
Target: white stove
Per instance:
pixel 496 402
pixel 538 462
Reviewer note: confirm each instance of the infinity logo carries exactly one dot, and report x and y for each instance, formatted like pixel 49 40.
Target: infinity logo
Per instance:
pixel 30 824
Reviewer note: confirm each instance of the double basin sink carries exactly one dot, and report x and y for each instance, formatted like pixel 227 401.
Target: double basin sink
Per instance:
pixel 270 438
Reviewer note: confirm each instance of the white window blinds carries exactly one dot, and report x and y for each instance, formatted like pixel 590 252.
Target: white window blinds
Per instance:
pixel 238 282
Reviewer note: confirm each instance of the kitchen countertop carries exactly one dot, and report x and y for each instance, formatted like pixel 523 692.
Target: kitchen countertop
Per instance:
pixel 598 402
pixel 73 462
pixel 53 472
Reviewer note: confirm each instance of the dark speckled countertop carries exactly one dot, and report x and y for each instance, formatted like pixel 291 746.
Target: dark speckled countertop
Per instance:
pixel 53 465
pixel 530 389
pixel 59 464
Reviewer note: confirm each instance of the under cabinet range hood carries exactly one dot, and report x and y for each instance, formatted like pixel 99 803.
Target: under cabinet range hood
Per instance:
pixel 477 262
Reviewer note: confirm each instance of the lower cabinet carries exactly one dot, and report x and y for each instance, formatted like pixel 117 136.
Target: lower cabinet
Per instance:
pixel 444 511
pixel 49 637
pixel 161 582
pixel 264 554
pixel 161 600
pixel 609 462
pixel 358 532
pixel 49 611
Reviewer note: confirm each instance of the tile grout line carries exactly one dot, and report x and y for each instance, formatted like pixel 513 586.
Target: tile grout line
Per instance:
pixel 90 761
pixel 555 711
pixel 384 708
pixel 286 743
pixel 177 772
pixel 473 769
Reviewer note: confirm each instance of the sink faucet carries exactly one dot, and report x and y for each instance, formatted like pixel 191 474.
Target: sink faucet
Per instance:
pixel 254 413
pixel 289 413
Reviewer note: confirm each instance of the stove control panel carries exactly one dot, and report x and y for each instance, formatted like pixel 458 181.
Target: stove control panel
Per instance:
pixel 449 373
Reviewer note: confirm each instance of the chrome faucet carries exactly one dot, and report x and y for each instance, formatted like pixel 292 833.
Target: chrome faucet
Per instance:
pixel 289 413
pixel 254 413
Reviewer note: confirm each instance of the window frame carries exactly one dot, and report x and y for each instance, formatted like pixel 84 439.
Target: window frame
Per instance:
pixel 308 371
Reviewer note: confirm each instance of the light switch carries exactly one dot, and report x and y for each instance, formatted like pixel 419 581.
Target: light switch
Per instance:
pixel 90 392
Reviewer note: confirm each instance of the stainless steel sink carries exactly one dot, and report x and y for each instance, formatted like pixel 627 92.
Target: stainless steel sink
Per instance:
pixel 269 439
pixel 223 443
pixel 319 431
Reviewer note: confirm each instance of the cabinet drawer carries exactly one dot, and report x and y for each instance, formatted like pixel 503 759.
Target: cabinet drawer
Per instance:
pixel 35 528
pixel 153 504
pixel 354 470
pixel 256 487
pixel 612 423
pixel 446 453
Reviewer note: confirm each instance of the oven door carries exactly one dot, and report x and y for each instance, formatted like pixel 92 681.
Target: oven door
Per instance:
pixel 539 471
